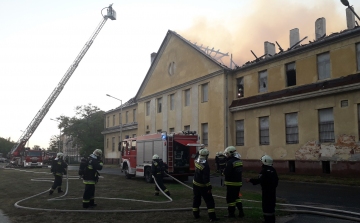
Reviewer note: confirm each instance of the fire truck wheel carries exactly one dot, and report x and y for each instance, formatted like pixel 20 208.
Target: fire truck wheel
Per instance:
pixel 148 177
pixel 126 171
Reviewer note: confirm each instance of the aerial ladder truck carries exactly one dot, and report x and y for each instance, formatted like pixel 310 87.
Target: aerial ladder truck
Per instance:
pixel 22 156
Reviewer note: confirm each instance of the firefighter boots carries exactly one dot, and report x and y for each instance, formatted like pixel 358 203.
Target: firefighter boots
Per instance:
pixel 51 192
pixel 213 217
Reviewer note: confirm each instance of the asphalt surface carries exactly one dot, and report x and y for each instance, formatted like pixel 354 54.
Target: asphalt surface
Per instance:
pixel 338 197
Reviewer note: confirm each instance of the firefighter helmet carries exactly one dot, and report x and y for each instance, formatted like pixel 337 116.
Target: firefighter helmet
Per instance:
pixel 267 160
pixel 60 155
pixel 155 157
pixel 229 151
pixel 97 152
pixel 204 152
pixel 221 153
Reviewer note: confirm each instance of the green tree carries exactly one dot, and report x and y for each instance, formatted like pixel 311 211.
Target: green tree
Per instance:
pixel 54 144
pixel 6 145
pixel 85 128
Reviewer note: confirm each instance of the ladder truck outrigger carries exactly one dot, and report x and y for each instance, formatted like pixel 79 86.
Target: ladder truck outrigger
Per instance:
pixel 177 150
pixel 18 154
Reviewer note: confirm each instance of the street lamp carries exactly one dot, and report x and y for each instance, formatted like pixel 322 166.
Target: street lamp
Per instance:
pixel 28 142
pixel 59 129
pixel 119 118
pixel 347 4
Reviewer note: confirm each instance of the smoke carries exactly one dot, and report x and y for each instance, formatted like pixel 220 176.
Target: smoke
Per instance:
pixel 242 31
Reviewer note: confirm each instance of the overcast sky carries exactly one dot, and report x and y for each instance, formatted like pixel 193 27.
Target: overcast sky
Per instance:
pixel 40 39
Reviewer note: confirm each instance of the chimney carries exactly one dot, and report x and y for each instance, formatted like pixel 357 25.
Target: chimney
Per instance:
pixel 350 18
pixel 320 28
pixel 153 55
pixel 269 48
pixel 294 36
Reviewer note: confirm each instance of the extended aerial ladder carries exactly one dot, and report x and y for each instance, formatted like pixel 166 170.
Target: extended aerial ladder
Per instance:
pixel 20 144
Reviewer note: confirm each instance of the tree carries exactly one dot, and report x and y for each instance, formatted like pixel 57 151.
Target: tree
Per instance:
pixel 85 128
pixel 54 144
pixel 6 145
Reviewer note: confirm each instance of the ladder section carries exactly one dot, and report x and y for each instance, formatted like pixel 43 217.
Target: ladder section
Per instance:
pixel 170 153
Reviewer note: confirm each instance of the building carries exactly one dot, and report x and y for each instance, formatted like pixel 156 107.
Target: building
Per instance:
pixel 301 105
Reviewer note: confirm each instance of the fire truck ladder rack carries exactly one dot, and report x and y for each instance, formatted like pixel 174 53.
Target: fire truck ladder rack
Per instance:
pixel 51 99
pixel 171 153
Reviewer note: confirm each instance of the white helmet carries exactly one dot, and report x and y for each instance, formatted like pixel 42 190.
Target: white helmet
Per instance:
pixel 221 153
pixel 155 157
pixel 97 152
pixel 229 151
pixel 60 155
pixel 204 152
pixel 217 153
pixel 267 160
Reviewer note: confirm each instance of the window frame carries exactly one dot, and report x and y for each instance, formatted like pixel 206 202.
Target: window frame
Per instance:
pixel 264 132
pixel 186 128
pixel 357 49
pixel 291 129
pixel 172 102
pixel 240 87
pixel 326 124
pixel 159 105
pixel 147 108
pixel 205 133
pixel 288 69
pixel 113 144
pixel 322 65
pixel 240 132
pixel 186 97
pixel 204 92
pixel 263 75
pixel 134 115
pixel 127 117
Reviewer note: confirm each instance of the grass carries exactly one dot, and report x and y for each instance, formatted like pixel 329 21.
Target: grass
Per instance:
pixel 18 185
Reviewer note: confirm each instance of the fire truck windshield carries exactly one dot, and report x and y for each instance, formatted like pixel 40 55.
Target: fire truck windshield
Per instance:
pixel 33 153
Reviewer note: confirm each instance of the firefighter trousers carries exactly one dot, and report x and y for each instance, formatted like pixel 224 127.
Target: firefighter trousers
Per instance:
pixel 57 183
pixel 199 192
pixel 233 200
pixel 160 182
pixel 268 205
pixel 89 195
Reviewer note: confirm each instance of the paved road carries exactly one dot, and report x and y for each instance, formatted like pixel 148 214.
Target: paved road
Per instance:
pixel 320 195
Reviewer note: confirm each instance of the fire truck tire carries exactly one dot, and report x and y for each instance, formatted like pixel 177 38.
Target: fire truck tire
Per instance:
pixel 147 175
pixel 126 171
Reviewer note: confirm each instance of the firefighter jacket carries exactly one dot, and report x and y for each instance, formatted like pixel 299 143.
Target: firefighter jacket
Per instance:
pixel 222 161
pixel 91 174
pixel 158 168
pixel 233 172
pixel 268 178
pixel 202 174
pixel 58 167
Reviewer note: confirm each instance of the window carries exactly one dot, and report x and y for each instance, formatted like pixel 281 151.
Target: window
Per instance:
pixel 240 87
pixel 127 117
pixel 204 93
pixel 147 108
pixel 107 143
pixel 120 119
pixel 172 98
pixel 323 65
pixel 292 132
pixel 147 132
pixel 134 135
pixel 171 130
pixel 263 81
pixel 159 102
pixel 113 120
pixel 107 121
pixel 359 120
pixel 344 103
pixel 358 55
pixel 187 128
pixel 205 133
pixel 326 125
pixel 113 144
pixel 159 130
pixel 264 131
pixel 290 74
pixel 239 132
pixel 134 115
pixel 187 97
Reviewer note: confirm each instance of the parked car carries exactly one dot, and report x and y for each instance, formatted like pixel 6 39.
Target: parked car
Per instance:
pixel 3 160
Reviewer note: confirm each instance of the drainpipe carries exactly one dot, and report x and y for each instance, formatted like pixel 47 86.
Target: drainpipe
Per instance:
pixel 226 109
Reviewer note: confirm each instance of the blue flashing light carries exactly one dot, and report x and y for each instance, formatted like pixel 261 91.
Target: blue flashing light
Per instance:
pixel 163 136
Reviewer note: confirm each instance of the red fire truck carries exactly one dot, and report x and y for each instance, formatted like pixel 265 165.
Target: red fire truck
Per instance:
pixel 28 158
pixel 177 150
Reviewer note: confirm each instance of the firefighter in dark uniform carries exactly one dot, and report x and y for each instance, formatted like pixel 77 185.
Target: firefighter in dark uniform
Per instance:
pixel 58 168
pixel 268 179
pixel 217 162
pixel 202 186
pixel 233 181
pixel 91 177
pixel 222 162
pixel 158 169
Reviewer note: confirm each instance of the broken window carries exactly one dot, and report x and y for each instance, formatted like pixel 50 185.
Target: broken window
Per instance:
pixel 240 87
pixel 323 64
pixel 290 74
pixel 263 81
pixel 264 131
pixel 358 55
pixel 326 125
pixel 292 131
pixel 239 132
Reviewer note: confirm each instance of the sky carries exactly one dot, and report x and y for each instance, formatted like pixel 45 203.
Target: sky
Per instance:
pixel 40 39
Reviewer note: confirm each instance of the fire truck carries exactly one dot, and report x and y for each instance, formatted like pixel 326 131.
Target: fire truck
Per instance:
pixel 28 158
pixel 177 150
pixel 49 157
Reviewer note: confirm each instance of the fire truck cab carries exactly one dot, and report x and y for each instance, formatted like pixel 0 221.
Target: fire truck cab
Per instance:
pixel 177 150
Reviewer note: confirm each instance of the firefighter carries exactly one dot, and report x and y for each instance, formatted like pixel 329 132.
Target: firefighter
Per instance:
pixel 202 186
pixel 268 179
pixel 217 162
pixel 233 181
pixel 58 168
pixel 158 169
pixel 222 162
pixel 91 177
